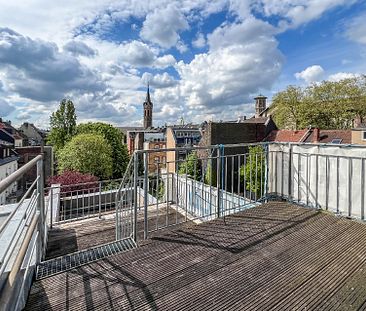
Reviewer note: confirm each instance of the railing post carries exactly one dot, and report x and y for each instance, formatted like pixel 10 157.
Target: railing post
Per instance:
pixel 289 178
pixel 218 184
pixel 135 177
pixel 40 207
pixel 100 200
pixel 51 207
pixel 146 185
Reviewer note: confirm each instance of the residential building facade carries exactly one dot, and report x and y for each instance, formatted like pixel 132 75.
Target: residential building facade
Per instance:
pixel 8 165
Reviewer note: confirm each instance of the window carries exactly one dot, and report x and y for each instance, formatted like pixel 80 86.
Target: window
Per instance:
pixel 157 146
pixel 336 141
pixel 364 135
pixel 156 159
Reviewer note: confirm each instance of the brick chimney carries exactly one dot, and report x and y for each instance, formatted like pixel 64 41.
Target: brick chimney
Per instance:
pixel 260 105
pixel 316 137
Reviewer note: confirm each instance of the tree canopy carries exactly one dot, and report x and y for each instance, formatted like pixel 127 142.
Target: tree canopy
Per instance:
pixel 63 124
pixel 87 153
pixel 327 105
pixel 115 138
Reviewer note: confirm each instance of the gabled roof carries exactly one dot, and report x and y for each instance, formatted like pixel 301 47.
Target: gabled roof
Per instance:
pixel 329 136
pixel 286 136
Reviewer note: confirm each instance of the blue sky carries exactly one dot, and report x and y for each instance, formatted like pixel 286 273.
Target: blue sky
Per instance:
pixel 205 60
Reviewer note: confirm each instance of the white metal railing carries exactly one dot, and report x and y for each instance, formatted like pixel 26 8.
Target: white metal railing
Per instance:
pixel 23 237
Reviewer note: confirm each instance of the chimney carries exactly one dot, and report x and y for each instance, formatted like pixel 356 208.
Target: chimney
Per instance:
pixel 316 138
pixel 260 105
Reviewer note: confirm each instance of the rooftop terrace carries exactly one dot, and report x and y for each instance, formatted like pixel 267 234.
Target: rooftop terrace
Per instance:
pixel 275 256
pixel 275 227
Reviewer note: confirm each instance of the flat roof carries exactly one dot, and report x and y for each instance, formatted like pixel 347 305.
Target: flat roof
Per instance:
pixel 272 257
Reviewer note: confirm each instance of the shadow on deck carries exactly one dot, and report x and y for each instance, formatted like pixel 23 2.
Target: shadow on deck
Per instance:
pixel 272 257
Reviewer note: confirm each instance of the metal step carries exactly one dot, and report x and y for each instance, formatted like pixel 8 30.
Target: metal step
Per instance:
pixel 77 259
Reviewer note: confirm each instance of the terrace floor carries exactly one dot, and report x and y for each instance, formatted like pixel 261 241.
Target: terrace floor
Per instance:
pixel 276 256
pixel 73 236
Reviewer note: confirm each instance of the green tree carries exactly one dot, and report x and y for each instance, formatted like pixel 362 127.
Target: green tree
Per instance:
pixel 253 171
pixel 87 153
pixel 191 166
pixel 115 138
pixel 63 124
pixel 289 106
pixel 327 105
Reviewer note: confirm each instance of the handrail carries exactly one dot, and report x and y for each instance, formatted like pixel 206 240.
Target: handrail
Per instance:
pixel 4 184
pixel 4 224
pixel 7 290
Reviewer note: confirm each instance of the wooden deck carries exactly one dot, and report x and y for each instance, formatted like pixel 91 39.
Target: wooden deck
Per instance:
pixel 78 235
pixel 273 257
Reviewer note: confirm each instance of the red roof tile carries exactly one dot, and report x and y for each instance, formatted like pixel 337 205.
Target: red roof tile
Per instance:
pixel 286 136
pixel 327 136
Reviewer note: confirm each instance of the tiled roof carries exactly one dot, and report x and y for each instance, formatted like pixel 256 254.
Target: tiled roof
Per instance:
pixel 327 136
pixel 286 136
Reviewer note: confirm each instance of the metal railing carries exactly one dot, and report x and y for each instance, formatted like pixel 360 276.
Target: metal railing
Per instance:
pixel 220 180
pixel 83 200
pixel 23 236
pixel 193 185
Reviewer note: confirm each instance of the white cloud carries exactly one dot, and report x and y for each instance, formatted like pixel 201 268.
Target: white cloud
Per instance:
pixel 162 26
pixel 356 29
pixel 294 13
pixel 341 76
pixel 243 58
pixel 139 54
pixel 311 74
pixel 200 41
pixel 159 81
pixel 79 48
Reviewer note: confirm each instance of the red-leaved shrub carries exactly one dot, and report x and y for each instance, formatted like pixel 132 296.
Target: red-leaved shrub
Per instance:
pixel 73 180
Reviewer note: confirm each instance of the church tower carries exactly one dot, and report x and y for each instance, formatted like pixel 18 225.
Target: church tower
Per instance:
pixel 148 108
pixel 260 105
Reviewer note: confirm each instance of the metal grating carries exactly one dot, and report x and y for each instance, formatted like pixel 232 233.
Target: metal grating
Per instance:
pixel 77 259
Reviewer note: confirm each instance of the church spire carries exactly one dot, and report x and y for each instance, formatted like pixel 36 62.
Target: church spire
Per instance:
pixel 148 100
pixel 148 107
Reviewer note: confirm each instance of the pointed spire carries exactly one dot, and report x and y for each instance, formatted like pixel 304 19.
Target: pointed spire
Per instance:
pixel 148 100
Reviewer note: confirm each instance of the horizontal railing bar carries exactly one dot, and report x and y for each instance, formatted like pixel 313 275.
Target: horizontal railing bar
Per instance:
pixel 4 184
pixel 3 225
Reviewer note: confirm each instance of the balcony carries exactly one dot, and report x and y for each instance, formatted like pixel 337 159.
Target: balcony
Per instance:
pixel 280 227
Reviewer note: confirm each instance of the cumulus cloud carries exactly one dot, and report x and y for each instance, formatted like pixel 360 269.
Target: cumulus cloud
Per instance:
pixel 311 74
pixel 79 48
pixel 341 76
pixel 159 81
pixel 5 108
pixel 162 26
pixel 242 59
pixel 37 70
pixel 139 54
